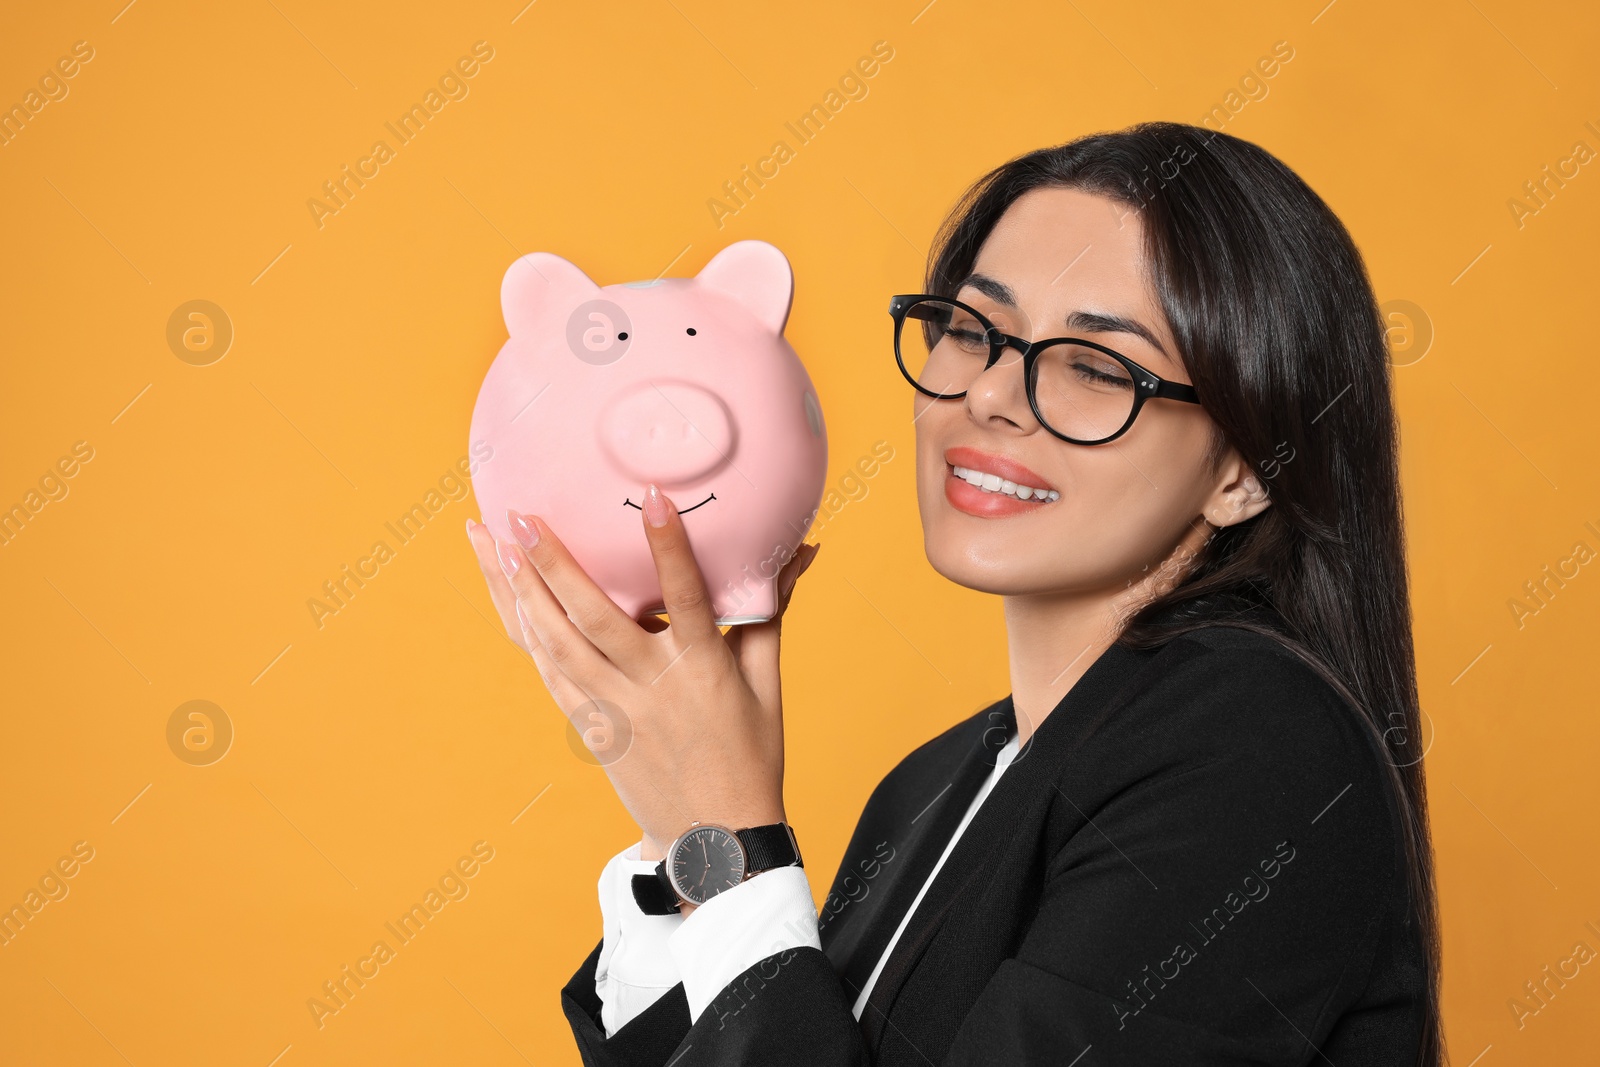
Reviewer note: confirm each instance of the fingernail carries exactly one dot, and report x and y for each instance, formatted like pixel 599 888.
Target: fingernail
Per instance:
pixel 508 558
pixel 655 508
pixel 469 529
pixel 522 618
pixel 526 533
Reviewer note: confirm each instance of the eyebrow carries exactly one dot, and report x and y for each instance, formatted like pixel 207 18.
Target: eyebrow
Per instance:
pixel 1088 321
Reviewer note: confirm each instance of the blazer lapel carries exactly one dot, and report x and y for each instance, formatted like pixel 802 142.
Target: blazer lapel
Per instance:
pixel 898 840
pixel 1027 782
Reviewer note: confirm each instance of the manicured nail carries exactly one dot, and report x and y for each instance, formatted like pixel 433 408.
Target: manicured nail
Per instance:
pixel 522 618
pixel 526 533
pixel 655 508
pixel 508 558
pixel 469 529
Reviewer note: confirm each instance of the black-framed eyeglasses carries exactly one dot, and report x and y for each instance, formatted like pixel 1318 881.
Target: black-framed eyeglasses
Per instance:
pixel 1080 391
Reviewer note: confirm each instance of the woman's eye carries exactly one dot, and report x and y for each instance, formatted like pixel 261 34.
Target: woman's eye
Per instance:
pixel 1099 375
pixel 967 338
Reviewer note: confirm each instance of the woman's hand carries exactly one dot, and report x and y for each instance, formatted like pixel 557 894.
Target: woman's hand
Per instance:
pixel 700 714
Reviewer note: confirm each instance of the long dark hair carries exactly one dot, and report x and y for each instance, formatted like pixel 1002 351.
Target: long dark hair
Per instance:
pixel 1276 321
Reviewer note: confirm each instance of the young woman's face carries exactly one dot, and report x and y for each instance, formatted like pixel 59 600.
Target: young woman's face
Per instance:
pixel 1056 257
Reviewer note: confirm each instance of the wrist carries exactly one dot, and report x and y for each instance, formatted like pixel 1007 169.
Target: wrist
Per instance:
pixel 650 849
pixel 708 859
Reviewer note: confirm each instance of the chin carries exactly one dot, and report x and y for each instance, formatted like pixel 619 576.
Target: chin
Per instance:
pixel 986 568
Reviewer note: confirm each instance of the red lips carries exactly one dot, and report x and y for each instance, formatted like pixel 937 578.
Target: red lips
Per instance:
pixel 989 463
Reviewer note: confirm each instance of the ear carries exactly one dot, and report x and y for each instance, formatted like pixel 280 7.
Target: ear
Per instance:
pixel 1241 494
pixel 537 282
pixel 758 276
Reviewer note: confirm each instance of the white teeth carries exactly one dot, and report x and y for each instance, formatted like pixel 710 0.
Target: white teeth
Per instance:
pixel 993 483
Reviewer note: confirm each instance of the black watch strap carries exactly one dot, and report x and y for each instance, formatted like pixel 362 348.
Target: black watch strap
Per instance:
pixel 766 847
pixel 654 893
pixel 770 846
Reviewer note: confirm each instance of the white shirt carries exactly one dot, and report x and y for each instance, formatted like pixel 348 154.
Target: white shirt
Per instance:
pixel 643 956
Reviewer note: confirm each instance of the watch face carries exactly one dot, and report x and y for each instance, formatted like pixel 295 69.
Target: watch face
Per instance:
pixel 706 861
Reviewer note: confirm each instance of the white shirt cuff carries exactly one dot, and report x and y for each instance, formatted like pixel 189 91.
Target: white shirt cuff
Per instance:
pixel 635 966
pixel 740 927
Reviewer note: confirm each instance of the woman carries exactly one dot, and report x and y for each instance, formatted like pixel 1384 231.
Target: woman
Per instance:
pixel 1194 832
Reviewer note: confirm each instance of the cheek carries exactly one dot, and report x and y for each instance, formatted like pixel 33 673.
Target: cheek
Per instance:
pixel 938 422
pixel 1159 463
pixel 1115 501
pixel 930 424
pixel 1130 501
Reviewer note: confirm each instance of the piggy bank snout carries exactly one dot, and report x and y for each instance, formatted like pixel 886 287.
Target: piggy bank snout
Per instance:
pixel 667 432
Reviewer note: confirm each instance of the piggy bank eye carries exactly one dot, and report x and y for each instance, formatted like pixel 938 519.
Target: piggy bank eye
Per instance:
pixel 690 331
pixel 622 337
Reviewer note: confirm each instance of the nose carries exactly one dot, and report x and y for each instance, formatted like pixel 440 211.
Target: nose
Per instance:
pixel 999 391
pixel 667 432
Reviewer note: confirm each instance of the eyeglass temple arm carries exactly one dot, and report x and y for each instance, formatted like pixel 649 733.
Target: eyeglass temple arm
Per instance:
pixel 1176 391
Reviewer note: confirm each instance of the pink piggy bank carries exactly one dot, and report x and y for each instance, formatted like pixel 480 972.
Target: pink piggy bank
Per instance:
pixel 686 382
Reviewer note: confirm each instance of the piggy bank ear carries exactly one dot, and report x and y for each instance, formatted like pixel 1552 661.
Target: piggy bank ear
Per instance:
pixel 758 276
pixel 537 283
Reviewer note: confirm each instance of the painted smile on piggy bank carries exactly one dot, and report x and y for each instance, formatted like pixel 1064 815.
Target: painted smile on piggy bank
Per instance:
pixel 681 511
pixel 685 382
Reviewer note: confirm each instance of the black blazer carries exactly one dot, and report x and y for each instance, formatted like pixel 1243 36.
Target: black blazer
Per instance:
pixel 1193 860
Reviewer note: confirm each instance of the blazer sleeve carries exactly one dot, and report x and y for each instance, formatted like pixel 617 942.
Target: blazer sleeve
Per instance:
pixel 1219 902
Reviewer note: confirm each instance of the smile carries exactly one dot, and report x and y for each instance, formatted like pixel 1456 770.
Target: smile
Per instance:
pixel 993 483
pixel 986 495
pixel 681 511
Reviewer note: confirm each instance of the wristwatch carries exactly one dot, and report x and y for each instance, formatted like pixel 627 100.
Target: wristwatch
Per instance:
pixel 708 859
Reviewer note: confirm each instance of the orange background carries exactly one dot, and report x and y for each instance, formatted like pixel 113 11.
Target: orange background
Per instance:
pixel 371 753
